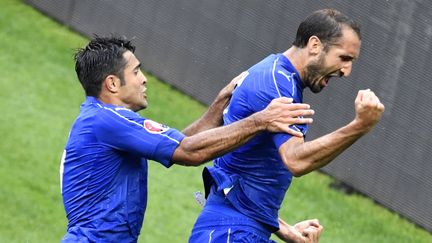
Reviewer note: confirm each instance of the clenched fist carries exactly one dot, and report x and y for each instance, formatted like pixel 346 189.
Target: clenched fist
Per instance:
pixel 368 109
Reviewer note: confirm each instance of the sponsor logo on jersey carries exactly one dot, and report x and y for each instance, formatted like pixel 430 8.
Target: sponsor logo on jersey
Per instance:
pixel 154 127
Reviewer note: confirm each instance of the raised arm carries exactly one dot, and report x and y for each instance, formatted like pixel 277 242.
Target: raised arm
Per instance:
pixel 209 144
pixel 303 157
pixel 213 116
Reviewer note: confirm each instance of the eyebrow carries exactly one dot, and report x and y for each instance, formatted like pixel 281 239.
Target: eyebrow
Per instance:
pixel 137 66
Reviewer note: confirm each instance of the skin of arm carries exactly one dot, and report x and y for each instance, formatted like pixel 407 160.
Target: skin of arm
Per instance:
pixel 209 144
pixel 213 116
pixel 303 157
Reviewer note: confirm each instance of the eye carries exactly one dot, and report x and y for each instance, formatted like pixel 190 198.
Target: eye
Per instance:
pixel 346 58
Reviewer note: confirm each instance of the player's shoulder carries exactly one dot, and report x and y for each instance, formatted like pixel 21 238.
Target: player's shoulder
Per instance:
pixel 271 67
pixel 94 107
pixel 112 110
pixel 109 115
pixel 265 63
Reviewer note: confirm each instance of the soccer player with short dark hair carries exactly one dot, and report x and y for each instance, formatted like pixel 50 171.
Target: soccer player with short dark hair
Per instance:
pixel 246 187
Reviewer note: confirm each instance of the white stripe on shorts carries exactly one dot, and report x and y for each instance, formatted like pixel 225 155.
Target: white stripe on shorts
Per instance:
pixel 210 236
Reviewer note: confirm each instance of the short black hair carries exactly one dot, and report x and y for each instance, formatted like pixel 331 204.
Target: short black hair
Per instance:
pixel 101 57
pixel 327 25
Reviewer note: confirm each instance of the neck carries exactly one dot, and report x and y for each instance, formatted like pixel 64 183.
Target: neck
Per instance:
pixel 297 57
pixel 109 99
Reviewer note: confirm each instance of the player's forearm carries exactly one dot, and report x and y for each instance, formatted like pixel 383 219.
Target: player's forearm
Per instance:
pixel 209 144
pixel 311 155
pixel 206 145
pixel 319 152
pixel 211 118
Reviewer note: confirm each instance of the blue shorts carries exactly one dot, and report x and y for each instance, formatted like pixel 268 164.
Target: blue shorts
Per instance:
pixel 220 222
pixel 225 234
pixel 87 235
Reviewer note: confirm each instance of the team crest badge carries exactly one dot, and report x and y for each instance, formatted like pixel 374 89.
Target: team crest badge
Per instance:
pixel 154 127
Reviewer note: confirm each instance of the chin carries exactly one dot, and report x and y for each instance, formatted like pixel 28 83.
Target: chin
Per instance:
pixel 316 89
pixel 139 107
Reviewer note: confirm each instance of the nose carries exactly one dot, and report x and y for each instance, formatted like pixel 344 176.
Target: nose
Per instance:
pixel 144 79
pixel 346 69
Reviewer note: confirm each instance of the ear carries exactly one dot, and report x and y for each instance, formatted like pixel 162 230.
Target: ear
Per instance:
pixel 314 45
pixel 112 83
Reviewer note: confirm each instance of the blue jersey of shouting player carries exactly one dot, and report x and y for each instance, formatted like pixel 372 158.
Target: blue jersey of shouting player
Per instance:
pixel 247 186
pixel 104 171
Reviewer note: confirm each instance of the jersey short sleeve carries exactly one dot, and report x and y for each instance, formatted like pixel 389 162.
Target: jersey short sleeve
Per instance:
pixel 288 87
pixel 125 130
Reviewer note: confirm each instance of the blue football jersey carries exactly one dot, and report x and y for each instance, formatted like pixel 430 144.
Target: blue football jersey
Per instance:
pixel 104 170
pixel 253 176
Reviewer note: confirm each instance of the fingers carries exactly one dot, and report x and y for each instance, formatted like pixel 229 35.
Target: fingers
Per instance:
pixel 381 107
pixel 294 132
pixel 286 125
pixel 314 222
pixel 284 100
pixel 312 234
pixel 295 109
pixel 298 116
pixel 313 231
pixel 368 98
pixel 281 113
pixel 363 92
pixel 307 223
pixel 368 109
pixel 292 106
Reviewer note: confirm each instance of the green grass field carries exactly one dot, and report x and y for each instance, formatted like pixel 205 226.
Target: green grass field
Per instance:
pixel 39 99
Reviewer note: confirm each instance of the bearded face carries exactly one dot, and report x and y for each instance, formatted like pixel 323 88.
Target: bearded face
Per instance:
pixel 334 61
pixel 318 73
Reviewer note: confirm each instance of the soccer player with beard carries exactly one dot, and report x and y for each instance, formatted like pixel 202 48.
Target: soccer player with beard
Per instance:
pixel 245 188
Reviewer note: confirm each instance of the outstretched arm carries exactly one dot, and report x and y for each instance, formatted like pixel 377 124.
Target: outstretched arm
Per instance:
pixel 276 117
pixel 303 157
pixel 213 116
